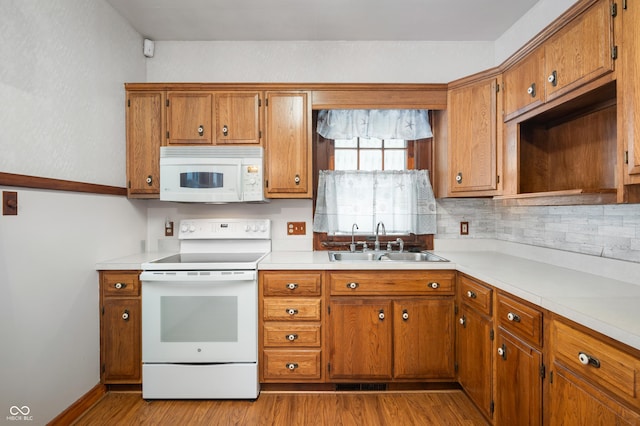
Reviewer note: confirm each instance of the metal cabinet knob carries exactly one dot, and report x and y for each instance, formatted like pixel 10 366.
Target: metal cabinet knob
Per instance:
pixel 292 311
pixel 463 321
pixel 471 294
pixel 459 177
pixel 292 286
pixel 381 315
pixel 586 359
pixel 434 285
pixel 225 130
pixel 125 315
pixel 513 317
pixel 149 180
pixel 532 90
pixel 201 130
pixel 292 337
pixel 120 285
pixel 502 351
pixel 292 366
pixel 405 315
pixel 353 285
pixel 553 78
pixel 297 179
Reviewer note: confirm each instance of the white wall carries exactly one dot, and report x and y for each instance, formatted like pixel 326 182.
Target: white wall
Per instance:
pixel 318 61
pixel 62 68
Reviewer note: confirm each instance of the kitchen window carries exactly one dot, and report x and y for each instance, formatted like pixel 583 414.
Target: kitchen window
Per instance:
pixel 364 152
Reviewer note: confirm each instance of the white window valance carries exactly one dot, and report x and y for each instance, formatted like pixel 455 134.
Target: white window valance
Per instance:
pixel 402 200
pixel 407 124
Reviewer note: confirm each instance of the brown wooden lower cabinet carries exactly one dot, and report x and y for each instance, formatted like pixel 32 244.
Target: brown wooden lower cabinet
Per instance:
pixel 120 327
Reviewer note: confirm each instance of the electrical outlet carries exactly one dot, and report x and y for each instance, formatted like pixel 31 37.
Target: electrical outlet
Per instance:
pixel 168 229
pixel 296 228
pixel 464 228
pixel 9 203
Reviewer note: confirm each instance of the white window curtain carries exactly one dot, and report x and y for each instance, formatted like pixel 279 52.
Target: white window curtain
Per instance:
pixel 408 124
pixel 402 200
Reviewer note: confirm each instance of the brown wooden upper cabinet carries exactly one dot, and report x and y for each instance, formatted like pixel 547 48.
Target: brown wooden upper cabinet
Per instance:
pixel 237 118
pixel 288 144
pixel 189 118
pixel 629 92
pixel 145 134
pixel 473 137
pixel 578 53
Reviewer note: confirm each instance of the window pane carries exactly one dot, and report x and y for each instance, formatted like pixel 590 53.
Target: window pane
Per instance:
pixel 395 143
pixel 346 159
pixel 370 160
pixel 346 143
pixel 395 160
pixel 370 143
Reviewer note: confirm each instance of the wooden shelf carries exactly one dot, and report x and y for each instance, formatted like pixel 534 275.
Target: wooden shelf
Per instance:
pixel 561 198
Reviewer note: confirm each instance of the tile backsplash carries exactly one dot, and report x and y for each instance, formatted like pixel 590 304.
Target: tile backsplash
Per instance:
pixel 611 231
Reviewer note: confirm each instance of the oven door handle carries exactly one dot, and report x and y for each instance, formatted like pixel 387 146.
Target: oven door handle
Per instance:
pixel 197 276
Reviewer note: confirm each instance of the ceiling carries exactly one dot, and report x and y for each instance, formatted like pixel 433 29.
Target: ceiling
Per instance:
pixel 348 20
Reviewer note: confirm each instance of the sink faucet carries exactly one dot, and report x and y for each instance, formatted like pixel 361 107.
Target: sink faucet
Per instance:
pixel 384 232
pixel 352 246
pixel 400 244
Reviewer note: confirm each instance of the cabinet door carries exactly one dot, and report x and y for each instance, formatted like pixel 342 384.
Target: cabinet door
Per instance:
pixel 518 382
pixel 121 341
pixel 237 118
pixel 629 91
pixel 145 133
pixel 423 338
pixel 472 137
pixel 360 339
pixel 288 145
pixel 580 51
pixel 524 85
pixel 474 357
pixel 574 402
pixel 189 118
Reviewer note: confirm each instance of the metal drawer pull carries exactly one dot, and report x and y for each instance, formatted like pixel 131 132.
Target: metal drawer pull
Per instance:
pixel 120 285
pixel 405 315
pixel 353 285
pixel 292 337
pixel 381 314
pixel 434 285
pixel 125 315
pixel 513 317
pixel 471 294
pixel 292 366
pixel 292 286
pixel 588 360
pixel 292 311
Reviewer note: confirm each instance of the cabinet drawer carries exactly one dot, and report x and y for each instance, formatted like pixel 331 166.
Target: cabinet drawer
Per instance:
pixel 520 319
pixel 392 282
pixel 291 283
pixel 291 335
pixel 596 361
pixel 291 366
pixel 276 309
pixel 475 294
pixel 116 284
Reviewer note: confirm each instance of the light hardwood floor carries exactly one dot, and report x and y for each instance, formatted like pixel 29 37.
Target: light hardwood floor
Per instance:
pixel 448 407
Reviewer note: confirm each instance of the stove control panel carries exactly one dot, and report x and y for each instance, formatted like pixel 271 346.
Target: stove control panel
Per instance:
pixel 228 229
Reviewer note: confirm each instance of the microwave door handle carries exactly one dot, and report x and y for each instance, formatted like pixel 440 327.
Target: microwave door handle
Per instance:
pixel 239 183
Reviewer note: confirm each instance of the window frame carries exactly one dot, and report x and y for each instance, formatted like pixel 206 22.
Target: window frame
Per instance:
pixel 420 156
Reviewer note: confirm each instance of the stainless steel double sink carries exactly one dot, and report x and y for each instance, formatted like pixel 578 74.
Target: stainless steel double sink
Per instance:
pixel 384 256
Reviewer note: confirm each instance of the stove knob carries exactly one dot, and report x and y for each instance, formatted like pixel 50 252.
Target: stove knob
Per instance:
pixel 247 228
pixel 184 228
pixel 263 228
pixel 255 228
pixel 192 228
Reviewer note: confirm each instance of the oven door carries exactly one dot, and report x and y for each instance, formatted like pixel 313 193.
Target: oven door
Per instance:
pixel 199 316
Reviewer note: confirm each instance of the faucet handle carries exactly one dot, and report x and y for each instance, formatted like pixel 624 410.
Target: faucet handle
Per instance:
pixel 389 246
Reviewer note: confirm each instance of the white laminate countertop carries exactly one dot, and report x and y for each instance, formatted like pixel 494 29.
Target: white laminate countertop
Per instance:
pixel 602 294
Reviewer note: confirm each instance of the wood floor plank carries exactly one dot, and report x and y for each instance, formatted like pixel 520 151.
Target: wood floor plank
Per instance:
pixel 291 409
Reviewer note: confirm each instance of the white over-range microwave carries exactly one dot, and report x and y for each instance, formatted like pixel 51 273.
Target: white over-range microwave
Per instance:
pixel 211 174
